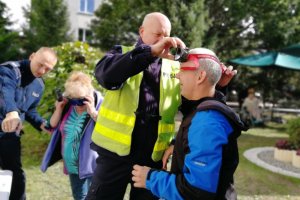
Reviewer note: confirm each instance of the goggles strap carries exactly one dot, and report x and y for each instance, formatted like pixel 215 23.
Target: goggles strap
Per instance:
pixel 196 57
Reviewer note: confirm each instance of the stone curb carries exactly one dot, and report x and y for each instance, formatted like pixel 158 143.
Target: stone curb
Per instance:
pixel 251 155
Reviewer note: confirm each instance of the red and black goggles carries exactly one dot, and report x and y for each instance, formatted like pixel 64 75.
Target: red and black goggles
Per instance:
pixel 195 58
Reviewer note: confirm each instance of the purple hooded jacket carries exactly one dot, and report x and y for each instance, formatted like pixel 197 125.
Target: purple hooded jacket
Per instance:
pixel 87 157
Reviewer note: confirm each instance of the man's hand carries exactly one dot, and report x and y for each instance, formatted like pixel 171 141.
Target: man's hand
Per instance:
pixel 226 77
pixel 12 122
pixel 166 156
pixel 43 127
pixel 162 47
pixel 139 176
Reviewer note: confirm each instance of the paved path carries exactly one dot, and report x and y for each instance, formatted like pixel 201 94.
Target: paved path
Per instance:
pixel 252 155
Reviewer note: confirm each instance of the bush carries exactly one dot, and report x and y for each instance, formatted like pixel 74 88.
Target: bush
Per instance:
pixel 293 129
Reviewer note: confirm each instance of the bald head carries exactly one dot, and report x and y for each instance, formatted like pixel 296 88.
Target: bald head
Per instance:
pixel 47 50
pixel 156 17
pixel 155 26
pixel 42 61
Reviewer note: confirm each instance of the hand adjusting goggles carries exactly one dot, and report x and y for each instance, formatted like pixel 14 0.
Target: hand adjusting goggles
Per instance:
pixel 184 54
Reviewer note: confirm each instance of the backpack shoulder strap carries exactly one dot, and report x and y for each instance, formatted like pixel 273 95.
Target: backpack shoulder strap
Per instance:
pixel 213 104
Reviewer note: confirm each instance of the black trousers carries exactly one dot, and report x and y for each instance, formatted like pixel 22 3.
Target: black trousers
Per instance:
pixel 10 159
pixel 111 178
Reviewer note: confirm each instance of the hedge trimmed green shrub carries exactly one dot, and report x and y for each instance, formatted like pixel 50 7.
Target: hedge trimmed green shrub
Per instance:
pixel 293 129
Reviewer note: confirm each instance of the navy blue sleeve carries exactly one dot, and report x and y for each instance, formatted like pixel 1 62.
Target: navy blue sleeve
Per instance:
pixel 8 85
pixel 115 67
pixel 33 117
pixel 207 134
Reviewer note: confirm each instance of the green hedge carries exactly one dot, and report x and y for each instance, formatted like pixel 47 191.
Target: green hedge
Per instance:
pixel 293 129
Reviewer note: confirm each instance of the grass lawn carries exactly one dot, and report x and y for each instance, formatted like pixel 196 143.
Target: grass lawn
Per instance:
pixel 251 181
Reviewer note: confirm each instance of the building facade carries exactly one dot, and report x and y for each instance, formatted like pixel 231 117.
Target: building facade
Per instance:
pixel 81 12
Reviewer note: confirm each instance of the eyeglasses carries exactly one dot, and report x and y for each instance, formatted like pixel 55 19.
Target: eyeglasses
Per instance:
pixel 77 101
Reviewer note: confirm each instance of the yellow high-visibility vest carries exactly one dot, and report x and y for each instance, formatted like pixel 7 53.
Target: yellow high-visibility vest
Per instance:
pixel 116 118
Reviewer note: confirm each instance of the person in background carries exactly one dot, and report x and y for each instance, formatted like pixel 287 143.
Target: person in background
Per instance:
pixel 251 107
pixel 205 153
pixel 21 89
pixel 72 124
pixel 136 120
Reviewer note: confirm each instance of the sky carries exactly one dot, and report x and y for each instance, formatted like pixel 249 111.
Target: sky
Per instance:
pixel 16 12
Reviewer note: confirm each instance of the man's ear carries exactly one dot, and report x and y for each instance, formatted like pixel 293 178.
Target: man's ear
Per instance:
pixel 201 76
pixel 141 30
pixel 31 56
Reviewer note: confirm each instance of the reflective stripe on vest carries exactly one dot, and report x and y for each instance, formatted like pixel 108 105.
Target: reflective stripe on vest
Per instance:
pixel 116 119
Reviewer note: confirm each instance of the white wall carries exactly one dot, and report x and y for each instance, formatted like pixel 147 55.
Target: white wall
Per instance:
pixel 79 20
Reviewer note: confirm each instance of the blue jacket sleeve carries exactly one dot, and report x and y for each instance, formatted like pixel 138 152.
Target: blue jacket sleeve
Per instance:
pixel 33 117
pixel 207 134
pixel 163 184
pixel 115 67
pixel 8 85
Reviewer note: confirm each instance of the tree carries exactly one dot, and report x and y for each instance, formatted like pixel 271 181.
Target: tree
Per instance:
pixel 239 27
pixel 48 24
pixel 114 25
pixel 9 40
pixel 243 27
pixel 188 20
pixel 231 28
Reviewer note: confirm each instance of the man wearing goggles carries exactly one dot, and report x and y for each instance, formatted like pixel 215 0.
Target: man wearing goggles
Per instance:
pixel 205 153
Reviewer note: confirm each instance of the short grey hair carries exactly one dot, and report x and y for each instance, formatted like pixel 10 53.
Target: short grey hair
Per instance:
pixel 212 68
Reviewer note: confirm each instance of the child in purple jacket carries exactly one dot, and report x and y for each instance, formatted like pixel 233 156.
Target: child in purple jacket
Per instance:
pixel 72 123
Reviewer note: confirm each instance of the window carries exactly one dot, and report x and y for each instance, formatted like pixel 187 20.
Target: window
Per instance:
pixel 85 35
pixel 87 6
